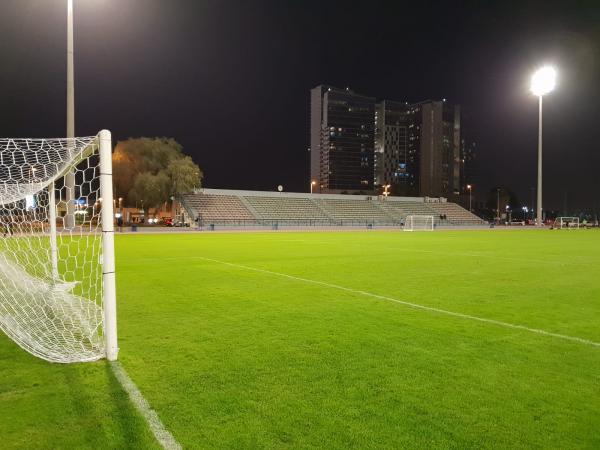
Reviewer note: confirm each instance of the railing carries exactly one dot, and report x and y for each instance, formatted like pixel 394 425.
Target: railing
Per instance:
pixel 291 223
pixel 296 223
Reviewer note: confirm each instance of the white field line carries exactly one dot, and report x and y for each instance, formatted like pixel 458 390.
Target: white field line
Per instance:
pixel 409 304
pixel 162 435
pixel 489 256
pixel 441 253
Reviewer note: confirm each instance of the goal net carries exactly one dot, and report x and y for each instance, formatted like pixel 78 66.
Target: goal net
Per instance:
pixel 56 247
pixel 566 222
pixel 418 223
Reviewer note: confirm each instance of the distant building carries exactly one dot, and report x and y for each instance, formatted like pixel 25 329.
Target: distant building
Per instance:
pixel 342 140
pixel 360 145
pixel 468 161
pixel 439 148
pixel 396 158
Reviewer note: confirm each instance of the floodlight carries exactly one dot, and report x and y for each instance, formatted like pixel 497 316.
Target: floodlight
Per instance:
pixel 543 81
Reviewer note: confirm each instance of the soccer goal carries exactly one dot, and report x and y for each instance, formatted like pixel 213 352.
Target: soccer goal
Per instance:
pixel 418 223
pixel 566 222
pixel 57 273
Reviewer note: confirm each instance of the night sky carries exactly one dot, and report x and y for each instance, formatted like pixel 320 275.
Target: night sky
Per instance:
pixel 230 80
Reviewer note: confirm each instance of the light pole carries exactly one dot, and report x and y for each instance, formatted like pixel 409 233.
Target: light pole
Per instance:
pixel 385 190
pixel 312 185
pixel 542 82
pixel 470 188
pixel 70 175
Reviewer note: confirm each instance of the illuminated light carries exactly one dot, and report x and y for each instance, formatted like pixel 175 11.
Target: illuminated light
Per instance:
pixel 543 81
pixel 29 202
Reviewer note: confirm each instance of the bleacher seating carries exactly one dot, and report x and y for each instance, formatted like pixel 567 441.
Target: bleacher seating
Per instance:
pixel 217 208
pixel 255 208
pixel 455 214
pixel 400 209
pixel 354 210
pixel 280 208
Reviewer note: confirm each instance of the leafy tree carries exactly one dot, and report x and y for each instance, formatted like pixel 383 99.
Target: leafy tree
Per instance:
pixel 150 190
pixel 152 170
pixel 505 197
pixel 184 175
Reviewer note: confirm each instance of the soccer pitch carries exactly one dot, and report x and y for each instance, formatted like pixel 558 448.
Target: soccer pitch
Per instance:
pixel 450 339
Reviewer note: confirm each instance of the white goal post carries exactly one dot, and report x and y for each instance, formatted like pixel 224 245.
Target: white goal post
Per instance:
pixel 57 272
pixel 566 222
pixel 415 222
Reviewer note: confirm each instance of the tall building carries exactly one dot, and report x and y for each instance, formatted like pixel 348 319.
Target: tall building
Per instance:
pixel 342 140
pixel 439 148
pixel 359 145
pixel 468 171
pixel 396 157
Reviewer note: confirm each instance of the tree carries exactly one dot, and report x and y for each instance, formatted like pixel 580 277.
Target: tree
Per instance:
pixel 184 175
pixel 153 170
pixel 505 198
pixel 150 190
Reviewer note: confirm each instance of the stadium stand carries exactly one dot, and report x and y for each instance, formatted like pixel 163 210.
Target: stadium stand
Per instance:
pixel 349 211
pixel 455 214
pixel 400 209
pixel 285 208
pixel 222 209
pixel 258 208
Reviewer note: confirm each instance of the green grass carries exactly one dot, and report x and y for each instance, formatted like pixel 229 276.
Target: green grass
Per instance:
pixel 235 358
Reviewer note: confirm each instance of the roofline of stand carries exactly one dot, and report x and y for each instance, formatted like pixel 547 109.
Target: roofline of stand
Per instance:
pixel 239 192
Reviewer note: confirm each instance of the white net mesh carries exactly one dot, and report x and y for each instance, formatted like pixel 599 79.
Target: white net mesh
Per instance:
pixel 566 222
pixel 418 223
pixel 50 265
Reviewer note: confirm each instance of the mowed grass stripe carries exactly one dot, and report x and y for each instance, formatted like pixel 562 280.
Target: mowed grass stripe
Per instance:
pixel 406 303
pixel 243 360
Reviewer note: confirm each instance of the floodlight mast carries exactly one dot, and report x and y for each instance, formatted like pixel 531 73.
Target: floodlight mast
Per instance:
pixel 70 176
pixel 543 82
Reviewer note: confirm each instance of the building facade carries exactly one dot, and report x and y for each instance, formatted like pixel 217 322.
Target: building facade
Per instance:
pixel 360 145
pixel 342 140
pixel 396 157
pixel 439 148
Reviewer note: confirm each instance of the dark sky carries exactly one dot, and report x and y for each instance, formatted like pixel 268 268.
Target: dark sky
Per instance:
pixel 230 79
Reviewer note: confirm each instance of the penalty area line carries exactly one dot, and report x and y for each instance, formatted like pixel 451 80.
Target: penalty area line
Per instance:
pixel 410 304
pixel 162 435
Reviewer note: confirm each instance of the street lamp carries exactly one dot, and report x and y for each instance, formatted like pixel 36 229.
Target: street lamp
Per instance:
pixel 470 188
pixel 385 190
pixel 498 205
pixel 312 184
pixel 543 81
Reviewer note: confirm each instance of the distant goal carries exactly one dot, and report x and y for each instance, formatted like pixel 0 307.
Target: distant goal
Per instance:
pixel 566 223
pixel 418 223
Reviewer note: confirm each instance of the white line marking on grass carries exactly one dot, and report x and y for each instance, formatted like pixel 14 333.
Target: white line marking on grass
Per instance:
pixel 411 305
pixel 162 435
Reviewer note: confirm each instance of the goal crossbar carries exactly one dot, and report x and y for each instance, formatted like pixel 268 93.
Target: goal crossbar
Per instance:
pixel 418 222
pixel 566 222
